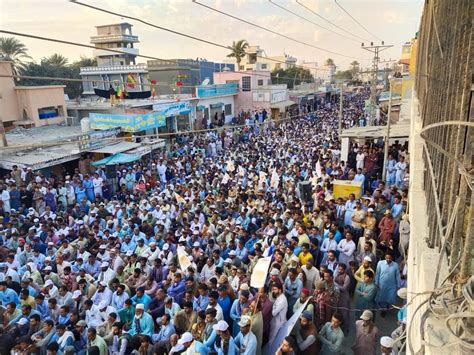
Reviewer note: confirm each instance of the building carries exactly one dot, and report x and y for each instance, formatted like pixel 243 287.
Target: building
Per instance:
pixel 117 37
pixel 115 69
pixel 182 76
pixel 256 92
pixel 29 106
pixel 441 199
pixel 214 100
pixel 257 60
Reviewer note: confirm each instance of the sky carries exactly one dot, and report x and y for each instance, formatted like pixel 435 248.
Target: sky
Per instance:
pixel 394 21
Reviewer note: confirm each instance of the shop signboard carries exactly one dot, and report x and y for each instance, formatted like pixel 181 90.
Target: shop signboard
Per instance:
pixel 127 122
pixel 95 139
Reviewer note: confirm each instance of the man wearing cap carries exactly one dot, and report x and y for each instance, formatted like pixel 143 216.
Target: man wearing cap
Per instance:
pixel 246 341
pixel 366 335
pixel 106 274
pixel 387 346
pixel 306 334
pixel 224 342
pixel 142 323
pixel 103 294
pixel 191 345
pixel 304 296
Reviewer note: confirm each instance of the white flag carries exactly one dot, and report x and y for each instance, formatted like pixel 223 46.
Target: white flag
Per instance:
pixel 259 273
pixel 319 172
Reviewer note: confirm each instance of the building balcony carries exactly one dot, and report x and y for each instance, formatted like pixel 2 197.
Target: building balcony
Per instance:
pixel 104 52
pixel 114 69
pixel 114 38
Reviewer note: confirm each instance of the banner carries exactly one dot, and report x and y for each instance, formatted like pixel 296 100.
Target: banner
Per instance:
pixel 285 330
pixel 259 273
pixel 172 109
pixel 128 122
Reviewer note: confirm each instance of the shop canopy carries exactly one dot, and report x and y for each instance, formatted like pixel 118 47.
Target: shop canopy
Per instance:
pixel 116 159
pixel 217 105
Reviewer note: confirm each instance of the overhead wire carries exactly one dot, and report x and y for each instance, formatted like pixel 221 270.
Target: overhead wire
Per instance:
pixel 355 20
pixel 309 21
pixel 328 21
pixel 186 35
pixel 270 30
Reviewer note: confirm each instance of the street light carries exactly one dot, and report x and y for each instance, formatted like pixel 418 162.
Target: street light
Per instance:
pixel 387 137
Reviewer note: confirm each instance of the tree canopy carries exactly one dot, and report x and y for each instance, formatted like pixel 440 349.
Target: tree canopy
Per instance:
pixel 291 76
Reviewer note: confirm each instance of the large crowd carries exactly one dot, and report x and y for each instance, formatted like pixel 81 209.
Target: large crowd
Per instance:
pixel 92 262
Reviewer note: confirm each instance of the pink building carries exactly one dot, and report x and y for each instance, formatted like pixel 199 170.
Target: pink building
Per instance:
pixel 256 91
pixel 29 106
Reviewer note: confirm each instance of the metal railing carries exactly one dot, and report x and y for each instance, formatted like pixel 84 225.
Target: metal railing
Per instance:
pixel 444 88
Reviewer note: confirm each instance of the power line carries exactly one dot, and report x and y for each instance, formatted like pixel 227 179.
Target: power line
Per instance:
pixel 353 18
pixel 184 34
pixel 121 52
pixel 270 31
pixel 328 21
pixel 314 23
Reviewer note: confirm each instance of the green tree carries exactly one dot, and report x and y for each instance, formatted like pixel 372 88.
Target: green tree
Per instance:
pixel 56 60
pixel 355 67
pixel 12 49
pixel 238 51
pixel 329 62
pixel 343 75
pixel 291 76
pixel 57 66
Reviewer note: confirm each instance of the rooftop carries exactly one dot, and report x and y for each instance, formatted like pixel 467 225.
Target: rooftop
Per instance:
pixel 116 24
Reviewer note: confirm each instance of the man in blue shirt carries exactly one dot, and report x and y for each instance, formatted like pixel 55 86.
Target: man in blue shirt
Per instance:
pixel 8 295
pixel 246 341
pixel 225 302
pixel 162 339
pixel 141 297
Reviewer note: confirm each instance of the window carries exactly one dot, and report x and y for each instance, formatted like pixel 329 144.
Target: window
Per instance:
pixel 260 82
pixel 233 82
pixel 264 66
pixel 246 83
pixel 278 66
pixel 242 67
pixel 48 112
pixel 228 109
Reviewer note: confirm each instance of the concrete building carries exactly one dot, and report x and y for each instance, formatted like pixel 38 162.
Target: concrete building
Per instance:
pixel 29 106
pixel 115 69
pixel 441 199
pixel 255 91
pixel 176 76
pixel 118 37
pixel 256 59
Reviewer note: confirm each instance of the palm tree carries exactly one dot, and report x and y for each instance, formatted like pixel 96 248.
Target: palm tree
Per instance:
pixel 238 51
pixel 12 49
pixel 355 65
pixel 55 60
pixel 330 62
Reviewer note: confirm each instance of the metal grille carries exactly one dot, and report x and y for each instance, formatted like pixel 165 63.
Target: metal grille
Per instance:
pixel 444 89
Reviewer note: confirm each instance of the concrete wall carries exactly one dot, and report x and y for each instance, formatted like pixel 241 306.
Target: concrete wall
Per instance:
pixel 9 109
pixel 32 98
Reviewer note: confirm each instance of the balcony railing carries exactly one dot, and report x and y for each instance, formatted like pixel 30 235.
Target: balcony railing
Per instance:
pixel 114 38
pixel 114 68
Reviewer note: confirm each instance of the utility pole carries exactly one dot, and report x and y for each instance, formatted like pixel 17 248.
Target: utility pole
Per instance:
pixel 375 66
pixel 340 109
pixel 387 137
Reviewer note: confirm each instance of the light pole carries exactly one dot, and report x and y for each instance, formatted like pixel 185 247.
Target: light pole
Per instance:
pixel 387 137
pixel 340 109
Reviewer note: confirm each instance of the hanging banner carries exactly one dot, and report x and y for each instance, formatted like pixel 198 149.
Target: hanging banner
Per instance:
pixel 128 122
pixel 184 262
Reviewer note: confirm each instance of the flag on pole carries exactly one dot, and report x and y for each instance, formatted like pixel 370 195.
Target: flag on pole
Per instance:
pixel 184 262
pixel 179 199
pixel 259 273
pixel 319 172
pixel 131 82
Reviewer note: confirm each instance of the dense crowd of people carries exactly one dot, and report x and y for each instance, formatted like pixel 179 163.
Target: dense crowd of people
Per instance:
pixel 157 258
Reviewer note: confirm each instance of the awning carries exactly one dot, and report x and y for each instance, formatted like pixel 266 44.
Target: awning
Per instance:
pixel 282 104
pixel 117 159
pixel 398 130
pixel 201 107
pixel 217 105
pixel 41 158
pixel 116 148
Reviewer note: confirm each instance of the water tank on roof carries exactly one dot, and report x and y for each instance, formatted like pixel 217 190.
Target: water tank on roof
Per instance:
pixel 85 125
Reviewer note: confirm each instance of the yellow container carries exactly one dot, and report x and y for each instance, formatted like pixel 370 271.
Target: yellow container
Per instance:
pixel 343 188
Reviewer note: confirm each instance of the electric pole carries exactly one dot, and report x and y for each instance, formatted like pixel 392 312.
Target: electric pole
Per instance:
pixel 340 109
pixel 375 66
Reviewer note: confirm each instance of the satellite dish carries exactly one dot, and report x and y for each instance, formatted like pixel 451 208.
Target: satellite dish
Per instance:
pixel 205 82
